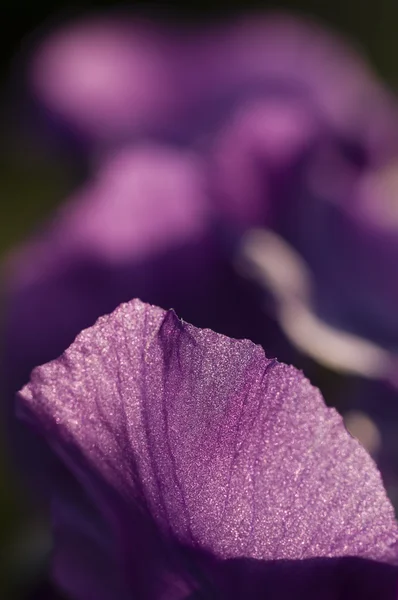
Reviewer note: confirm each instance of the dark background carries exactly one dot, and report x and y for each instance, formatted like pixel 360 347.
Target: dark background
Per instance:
pixel 31 185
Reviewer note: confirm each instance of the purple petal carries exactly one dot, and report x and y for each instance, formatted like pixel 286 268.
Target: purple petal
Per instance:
pixel 281 56
pixel 253 157
pixel 285 88
pixel 305 160
pixel 354 284
pixel 192 444
pixel 105 74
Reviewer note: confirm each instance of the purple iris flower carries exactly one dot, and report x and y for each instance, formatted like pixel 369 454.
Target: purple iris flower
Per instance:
pixel 196 467
pixel 294 133
pixel 181 463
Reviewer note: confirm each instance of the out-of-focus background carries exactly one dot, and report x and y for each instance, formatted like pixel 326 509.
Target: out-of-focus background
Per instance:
pixel 32 181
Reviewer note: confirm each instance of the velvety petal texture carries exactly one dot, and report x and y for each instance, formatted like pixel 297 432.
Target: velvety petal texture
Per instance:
pixel 196 449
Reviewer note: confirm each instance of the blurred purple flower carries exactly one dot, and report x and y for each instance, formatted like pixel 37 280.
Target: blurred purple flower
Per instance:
pixel 295 132
pixel 107 76
pixel 202 469
pixel 116 76
pixel 308 152
pixel 355 231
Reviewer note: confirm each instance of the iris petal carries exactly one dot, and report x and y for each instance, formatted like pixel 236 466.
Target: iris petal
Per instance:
pixel 196 449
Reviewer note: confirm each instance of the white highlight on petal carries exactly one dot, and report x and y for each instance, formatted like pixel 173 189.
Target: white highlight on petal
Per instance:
pixel 281 270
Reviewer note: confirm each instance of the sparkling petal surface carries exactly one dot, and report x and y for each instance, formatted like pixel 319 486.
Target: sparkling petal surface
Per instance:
pixel 184 438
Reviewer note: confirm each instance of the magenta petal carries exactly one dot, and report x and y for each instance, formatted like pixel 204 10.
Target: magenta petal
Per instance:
pixel 186 439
